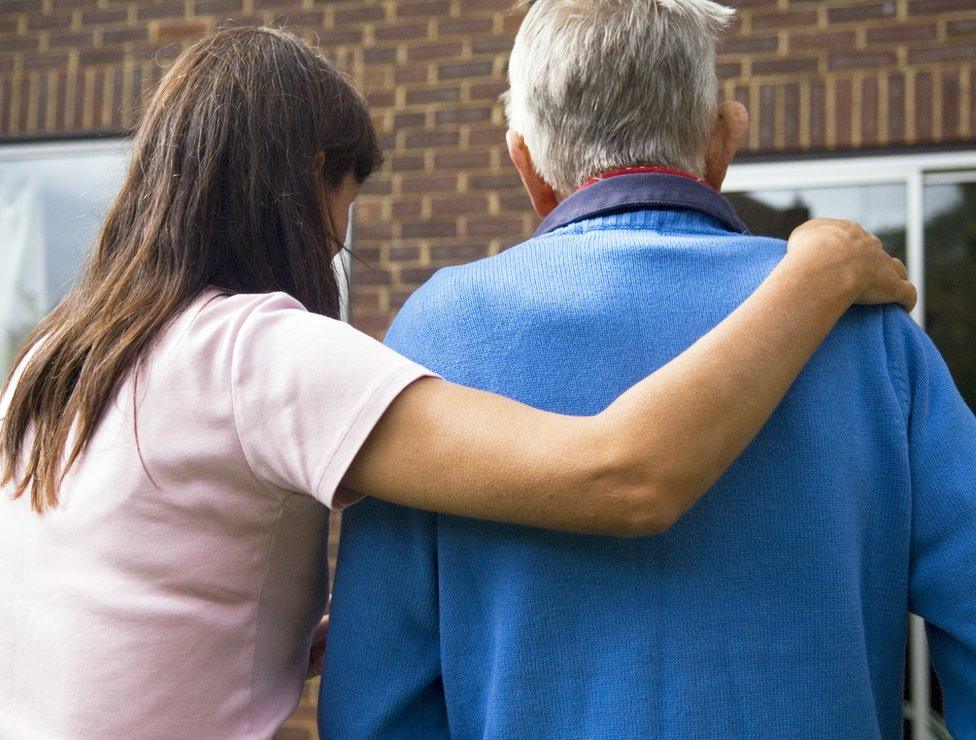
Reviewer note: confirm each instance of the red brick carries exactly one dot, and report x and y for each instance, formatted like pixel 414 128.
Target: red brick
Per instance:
pixel 784 19
pixel 380 55
pixel 465 27
pixel 375 276
pixel 843 112
pixel 728 70
pixel 458 252
pixel 818 114
pixel 409 120
pixel 38 22
pixel 509 181
pixel 943 53
pixel 360 15
pixel 5 107
pixel 206 7
pixel 486 136
pixel 902 32
pixel 41 97
pixel 492 45
pixel 847 13
pixel 46 61
pixel 972 97
pixel 426 52
pixel 124 35
pixel 157 11
pixel 100 56
pixel 407 162
pixel 434 95
pixel 479 5
pixel 785 65
pixel 924 7
pixel 404 254
pixel 791 115
pixel 462 160
pixel 423 8
pixel 767 116
pixel 18 6
pixel 179 30
pixel 401 31
pixel 463 115
pixel 822 40
pixel 422 139
pixel 749 45
pixel 428 183
pixel 461 205
pixel 402 209
pixel 275 4
pixel 60 102
pixel 488 90
pixel 923 107
pixel 410 74
pixel 951 94
pixel 861 59
pixel 24 43
pixel 494 227
pixel 961 27
pixel 429 229
pixel 869 111
pixel 465 70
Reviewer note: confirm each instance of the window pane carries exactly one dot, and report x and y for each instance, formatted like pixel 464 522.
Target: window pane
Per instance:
pixel 950 279
pixel 50 208
pixel 878 208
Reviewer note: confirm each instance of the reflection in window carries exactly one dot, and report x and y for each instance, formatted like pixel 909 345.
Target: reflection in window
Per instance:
pixel 950 279
pixel 879 208
pixel 51 203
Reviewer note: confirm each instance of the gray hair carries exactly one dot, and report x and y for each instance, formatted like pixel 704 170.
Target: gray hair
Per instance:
pixel 601 84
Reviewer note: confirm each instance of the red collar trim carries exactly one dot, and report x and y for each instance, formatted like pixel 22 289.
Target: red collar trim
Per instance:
pixel 642 171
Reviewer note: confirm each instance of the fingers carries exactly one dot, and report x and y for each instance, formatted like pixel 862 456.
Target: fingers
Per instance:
pixel 909 296
pixel 899 267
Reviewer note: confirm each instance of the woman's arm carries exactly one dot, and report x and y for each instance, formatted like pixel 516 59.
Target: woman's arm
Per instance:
pixel 638 466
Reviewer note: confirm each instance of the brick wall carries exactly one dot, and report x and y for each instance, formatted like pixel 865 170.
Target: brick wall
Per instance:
pixel 816 76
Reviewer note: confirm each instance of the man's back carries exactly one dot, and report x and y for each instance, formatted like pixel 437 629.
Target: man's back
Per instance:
pixel 775 607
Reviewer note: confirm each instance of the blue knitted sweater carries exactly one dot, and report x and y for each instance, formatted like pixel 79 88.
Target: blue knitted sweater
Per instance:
pixel 775 608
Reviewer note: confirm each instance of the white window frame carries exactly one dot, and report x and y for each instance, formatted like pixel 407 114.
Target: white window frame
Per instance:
pixel 914 171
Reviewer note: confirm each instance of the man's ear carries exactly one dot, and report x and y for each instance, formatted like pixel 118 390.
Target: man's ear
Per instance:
pixel 730 126
pixel 543 197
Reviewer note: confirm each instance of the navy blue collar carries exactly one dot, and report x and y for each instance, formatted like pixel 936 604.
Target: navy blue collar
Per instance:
pixel 641 192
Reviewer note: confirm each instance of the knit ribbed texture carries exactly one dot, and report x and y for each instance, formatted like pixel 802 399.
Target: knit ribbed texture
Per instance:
pixel 775 608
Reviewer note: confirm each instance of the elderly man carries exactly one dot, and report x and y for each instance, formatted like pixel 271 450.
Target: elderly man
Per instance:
pixel 778 606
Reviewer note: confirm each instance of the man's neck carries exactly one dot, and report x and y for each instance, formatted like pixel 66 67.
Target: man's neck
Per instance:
pixel 642 170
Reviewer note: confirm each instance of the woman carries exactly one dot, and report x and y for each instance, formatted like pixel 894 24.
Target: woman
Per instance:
pixel 174 426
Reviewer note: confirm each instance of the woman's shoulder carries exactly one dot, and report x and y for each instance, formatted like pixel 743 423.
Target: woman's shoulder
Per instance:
pixel 217 314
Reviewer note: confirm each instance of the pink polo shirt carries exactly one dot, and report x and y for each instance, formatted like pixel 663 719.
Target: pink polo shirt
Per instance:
pixel 175 596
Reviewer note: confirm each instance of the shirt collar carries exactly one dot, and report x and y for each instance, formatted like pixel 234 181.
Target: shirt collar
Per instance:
pixel 638 192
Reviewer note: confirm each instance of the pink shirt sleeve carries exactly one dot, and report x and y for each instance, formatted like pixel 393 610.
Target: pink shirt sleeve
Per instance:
pixel 307 392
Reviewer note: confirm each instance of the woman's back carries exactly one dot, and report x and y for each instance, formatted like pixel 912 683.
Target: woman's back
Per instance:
pixel 173 591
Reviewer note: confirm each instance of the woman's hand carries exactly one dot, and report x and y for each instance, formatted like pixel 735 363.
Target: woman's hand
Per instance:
pixel 858 259
pixel 316 654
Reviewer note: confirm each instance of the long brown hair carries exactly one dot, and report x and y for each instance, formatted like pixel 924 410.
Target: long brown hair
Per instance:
pixel 226 189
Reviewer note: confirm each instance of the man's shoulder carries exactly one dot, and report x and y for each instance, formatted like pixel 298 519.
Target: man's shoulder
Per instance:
pixel 455 292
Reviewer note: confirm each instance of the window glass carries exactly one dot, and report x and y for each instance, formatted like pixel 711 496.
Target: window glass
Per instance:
pixel 950 279
pixel 879 208
pixel 51 204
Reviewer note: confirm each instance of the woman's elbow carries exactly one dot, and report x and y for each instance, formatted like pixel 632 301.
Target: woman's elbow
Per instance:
pixel 641 499
pixel 650 512
pixel 639 495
